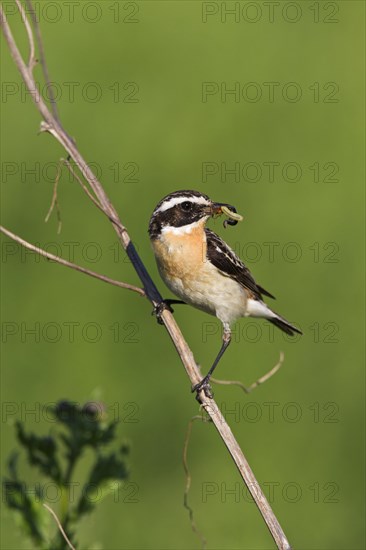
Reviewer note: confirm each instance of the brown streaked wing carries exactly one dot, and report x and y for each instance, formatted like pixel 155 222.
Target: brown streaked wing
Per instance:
pixel 225 259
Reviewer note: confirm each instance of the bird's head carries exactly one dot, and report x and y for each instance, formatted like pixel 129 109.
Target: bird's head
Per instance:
pixel 182 210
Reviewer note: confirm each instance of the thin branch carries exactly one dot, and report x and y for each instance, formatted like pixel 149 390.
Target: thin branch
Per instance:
pixel 59 526
pixel 51 124
pixel 89 194
pixel 54 201
pixel 32 56
pixel 82 185
pixel 42 59
pixel 66 263
pixel 261 380
pixel 188 479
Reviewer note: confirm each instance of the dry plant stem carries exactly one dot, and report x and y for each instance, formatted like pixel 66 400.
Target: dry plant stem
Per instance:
pixel 61 261
pixel 52 126
pixel 188 479
pixel 261 380
pixel 32 60
pixel 59 526
pixel 54 201
pixel 84 187
pixel 42 59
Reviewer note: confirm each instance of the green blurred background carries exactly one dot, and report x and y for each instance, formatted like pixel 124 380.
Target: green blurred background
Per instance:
pixel 132 84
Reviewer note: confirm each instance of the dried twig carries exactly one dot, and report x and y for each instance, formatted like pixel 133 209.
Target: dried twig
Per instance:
pixel 188 479
pixel 59 526
pixel 54 201
pixel 247 390
pixel 261 380
pixel 32 58
pixel 42 59
pixel 82 185
pixel 66 263
pixel 52 125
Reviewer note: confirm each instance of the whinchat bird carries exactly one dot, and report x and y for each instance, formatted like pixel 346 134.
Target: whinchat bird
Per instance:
pixel 202 270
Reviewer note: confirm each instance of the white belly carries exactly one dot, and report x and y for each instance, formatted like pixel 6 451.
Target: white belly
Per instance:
pixel 185 269
pixel 207 289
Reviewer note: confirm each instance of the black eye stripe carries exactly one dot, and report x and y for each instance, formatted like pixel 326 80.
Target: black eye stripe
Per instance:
pixel 176 215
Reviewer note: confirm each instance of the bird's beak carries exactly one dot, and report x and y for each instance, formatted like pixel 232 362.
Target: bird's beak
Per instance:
pixel 218 208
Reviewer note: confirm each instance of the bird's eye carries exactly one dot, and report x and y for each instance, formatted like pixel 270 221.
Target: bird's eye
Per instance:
pixel 186 206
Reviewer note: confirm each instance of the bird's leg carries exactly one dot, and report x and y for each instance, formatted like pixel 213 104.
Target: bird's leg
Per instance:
pixel 204 384
pixel 164 304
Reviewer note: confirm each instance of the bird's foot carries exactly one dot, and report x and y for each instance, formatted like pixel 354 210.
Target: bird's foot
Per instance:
pixel 204 386
pixel 159 308
pixel 164 304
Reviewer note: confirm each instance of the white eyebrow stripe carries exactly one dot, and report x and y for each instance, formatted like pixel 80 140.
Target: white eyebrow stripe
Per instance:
pixel 178 200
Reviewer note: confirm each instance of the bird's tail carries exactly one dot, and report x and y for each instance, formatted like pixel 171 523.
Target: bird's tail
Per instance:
pixel 257 308
pixel 284 325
